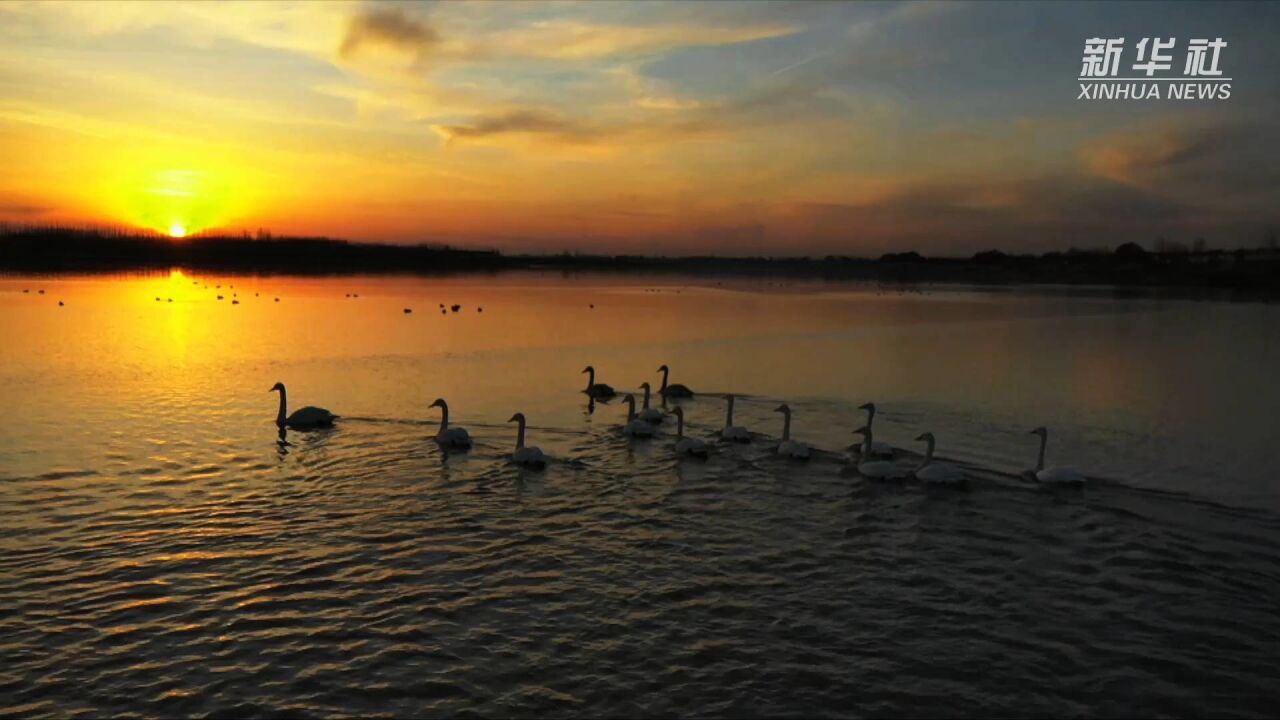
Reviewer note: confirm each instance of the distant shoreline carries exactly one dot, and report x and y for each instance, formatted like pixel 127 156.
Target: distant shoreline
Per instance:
pixel 1243 273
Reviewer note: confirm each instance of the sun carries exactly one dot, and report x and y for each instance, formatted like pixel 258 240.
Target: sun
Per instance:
pixel 176 230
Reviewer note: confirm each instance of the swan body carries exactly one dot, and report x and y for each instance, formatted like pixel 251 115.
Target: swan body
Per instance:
pixel 688 446
pixel 599 391
pixel 307 417
pixel 936 472
pixel 877 469
pixel 455 438
pixel 674 390
pixel 636 427
pixel 731 432
pixel 648 414
pixel 788 447
pixel 874 449
pixel 528 456
pixel 1054 475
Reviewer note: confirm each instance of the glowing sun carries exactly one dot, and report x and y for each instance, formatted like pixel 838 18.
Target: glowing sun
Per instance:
pixel 177 231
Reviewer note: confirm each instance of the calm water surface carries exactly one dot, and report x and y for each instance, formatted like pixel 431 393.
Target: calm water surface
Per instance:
pixel 164 553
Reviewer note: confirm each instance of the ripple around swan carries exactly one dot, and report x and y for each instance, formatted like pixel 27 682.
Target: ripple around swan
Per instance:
pixel 369 575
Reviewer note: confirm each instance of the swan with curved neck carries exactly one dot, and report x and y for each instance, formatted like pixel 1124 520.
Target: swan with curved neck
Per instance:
pixel 598 391
pixel 1055 475
pixel 307 417
pixel 788 447
pixel 674 390
pixel 731 432
pixel 527 456
pixel 936 472
pixel 451 437
pixel 869 449
pixel 876 469
pixel 648 414
pixel 684 445
pixel 636 427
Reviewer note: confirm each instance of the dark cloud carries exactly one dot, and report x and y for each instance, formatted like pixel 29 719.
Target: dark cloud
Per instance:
pixel 388 27
pixel 518 121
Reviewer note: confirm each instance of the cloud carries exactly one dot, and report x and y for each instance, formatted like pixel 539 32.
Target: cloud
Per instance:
pixel 391 28
pixel 571 39
pixel 533 122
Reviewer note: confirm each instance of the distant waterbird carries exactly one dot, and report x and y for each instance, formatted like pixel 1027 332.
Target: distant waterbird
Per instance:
pixel 455 438
pixel 685 445
pixel 731 432
pixel 307 417
pixel 527 456
pixel 788 447
pixel 1055 475
pixel 674 390
pixel 599 391
pixel 407 311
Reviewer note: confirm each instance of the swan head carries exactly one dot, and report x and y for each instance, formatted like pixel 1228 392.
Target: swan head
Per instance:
pixel 1041 431
pixel 644 386
pixel 862 430
pixel 630 400
pixel 518 417
pixel 783 409
pixel 678 412
pixel 869 407
pixel 927 436
pixel 663 368
pixel 588 369
pixel 277 386
pixel 438 402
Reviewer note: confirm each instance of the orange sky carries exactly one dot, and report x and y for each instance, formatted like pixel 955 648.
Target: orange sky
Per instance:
pixel 636 127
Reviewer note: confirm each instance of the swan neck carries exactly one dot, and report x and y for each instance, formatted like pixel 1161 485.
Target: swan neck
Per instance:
pixel 280 416
pixel 679 426
pixel 928 454
pixel 1044 440
pixel 444 418
pixel 786 426
pixel 646 398
pixel 520 435
pixel 728 414
pixel 631 409
pixel 591 378
pixel 664 380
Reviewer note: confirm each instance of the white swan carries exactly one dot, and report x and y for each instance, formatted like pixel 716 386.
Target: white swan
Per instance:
pixel 874 450
pixel 648 414
pixel 451 437
pixel 527 456
pixel 684 445
pixel 1055 475
pixel 307 417
pixel 599 391
pixel 636 427
pixel 788 447
pixel 876 469
pixel 731 432
pixel 934 472
pixel 674 390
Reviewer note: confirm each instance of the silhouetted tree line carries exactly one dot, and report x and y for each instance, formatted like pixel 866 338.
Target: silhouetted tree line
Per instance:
pixel 47 248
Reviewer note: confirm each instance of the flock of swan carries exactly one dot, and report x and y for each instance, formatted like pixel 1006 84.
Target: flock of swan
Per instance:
pixel 871 459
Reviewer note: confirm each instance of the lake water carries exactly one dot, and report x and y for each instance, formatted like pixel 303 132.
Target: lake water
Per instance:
pixel 165 553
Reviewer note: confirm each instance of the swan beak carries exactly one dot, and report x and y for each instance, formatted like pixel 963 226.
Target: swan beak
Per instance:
pixel 513 418
pixel 922 436
pixel 861 431
pixel 780 408
pixel 865 406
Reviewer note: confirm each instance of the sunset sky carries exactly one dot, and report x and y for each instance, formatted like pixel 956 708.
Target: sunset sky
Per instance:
pixel 797 128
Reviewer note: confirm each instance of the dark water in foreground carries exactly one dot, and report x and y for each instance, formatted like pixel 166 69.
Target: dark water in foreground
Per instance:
pixel 162 554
